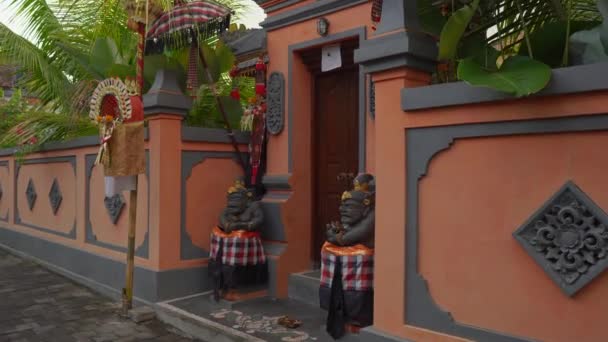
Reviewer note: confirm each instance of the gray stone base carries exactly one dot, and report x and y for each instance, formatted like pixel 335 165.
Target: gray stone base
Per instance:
pixel 105 275
pixel 304 287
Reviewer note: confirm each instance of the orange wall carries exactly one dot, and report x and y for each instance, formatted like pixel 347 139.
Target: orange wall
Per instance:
pixel 205 198
pixel 473 171
pixel 475 268
pixel 72 183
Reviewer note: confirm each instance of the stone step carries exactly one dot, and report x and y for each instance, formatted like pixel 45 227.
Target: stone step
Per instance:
pixel 250 320
pixel 304 287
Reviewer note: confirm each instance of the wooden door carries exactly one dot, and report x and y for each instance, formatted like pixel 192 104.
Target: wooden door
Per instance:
pixel 336 142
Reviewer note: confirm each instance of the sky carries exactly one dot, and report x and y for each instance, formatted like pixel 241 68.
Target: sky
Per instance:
pixel 7 16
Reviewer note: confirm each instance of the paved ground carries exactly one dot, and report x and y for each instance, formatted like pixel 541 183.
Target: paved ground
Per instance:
pixel 38 305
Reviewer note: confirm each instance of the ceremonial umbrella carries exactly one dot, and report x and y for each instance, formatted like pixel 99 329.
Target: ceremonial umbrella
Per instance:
pixel 185 25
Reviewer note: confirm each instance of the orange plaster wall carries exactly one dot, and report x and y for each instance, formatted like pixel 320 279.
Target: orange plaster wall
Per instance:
pixel 42 176
pixel 101 224
pixel 72 185
pixel 474 196
pixel 205 190
pixel 390 171
pixel 370 145
pixel 206 197
pixel 165 186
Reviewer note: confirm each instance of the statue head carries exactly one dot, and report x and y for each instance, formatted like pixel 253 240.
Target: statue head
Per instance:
pixel 238 198
pixel 359 202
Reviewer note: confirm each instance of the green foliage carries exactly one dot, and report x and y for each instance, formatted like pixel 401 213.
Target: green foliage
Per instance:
pixel 591 46
pixel 551 41
pixel 63 31
pixel 518 75
pixel 205 112
pixel 15 105
pixel 78 43
pixel 32 129
pixel 480 35
pixel 28 129
pixel 454 29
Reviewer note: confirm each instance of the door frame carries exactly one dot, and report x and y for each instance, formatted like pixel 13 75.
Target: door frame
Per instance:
pixel 303 189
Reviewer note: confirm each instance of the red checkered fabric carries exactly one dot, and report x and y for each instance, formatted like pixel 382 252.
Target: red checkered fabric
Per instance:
pixel 187 16
pixel 357 271
pixel 238 250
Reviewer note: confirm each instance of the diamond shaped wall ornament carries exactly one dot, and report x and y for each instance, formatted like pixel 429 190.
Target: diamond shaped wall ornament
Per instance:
pixel 30 194
pixel 55 196
pixel 114 206
pixel 568 238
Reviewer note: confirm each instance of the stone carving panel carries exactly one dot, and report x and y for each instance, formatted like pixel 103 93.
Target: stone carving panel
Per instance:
pixel 275 118
pixel 55 196
pixel 30 194
pixel 568 237
pixel 114 206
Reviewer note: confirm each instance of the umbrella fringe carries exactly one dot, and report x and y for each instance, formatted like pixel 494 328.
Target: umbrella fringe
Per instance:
pixel 184 38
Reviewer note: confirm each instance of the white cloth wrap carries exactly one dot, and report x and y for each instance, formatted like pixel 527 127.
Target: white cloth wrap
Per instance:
pixel 116 185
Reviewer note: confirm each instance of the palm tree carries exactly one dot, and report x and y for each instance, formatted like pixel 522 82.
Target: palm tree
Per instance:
pixel 74 44
pixel 69 38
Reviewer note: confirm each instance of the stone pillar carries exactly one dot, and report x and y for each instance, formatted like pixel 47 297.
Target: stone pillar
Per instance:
pixel 397 56
pixel 165 107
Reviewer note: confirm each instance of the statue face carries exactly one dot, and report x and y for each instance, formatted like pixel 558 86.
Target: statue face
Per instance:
pixel 352 211
pixel 237 203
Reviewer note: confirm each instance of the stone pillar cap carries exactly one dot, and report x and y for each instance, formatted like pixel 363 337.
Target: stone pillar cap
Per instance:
pixel 165 96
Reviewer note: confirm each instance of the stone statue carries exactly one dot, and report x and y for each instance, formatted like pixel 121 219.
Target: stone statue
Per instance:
pixel 346 288
pixel 242 212
pixel 237 256
pixel 357 216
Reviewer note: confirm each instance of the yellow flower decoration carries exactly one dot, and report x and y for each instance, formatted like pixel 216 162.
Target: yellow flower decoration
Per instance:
pixel 346 195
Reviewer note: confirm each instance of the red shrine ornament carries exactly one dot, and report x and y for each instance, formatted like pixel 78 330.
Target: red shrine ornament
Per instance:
pixel 260 77
pixel 376 13
pixel 235 94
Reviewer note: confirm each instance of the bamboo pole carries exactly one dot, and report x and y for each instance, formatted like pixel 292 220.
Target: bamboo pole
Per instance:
pixel 127 295
pixel 128 291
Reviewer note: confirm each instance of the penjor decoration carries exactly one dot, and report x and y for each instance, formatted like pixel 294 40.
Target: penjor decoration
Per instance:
pixel 118 111
pixel 254 117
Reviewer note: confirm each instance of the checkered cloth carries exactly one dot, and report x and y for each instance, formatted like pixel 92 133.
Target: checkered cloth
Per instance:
pixel 186 16
pixel 238 250
pixel 357 271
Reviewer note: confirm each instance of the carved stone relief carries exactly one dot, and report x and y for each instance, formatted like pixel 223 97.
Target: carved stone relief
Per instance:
pixel 114 206
pixel 30 194
pixel 55 196
pixel 275 118
pixel 568 237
